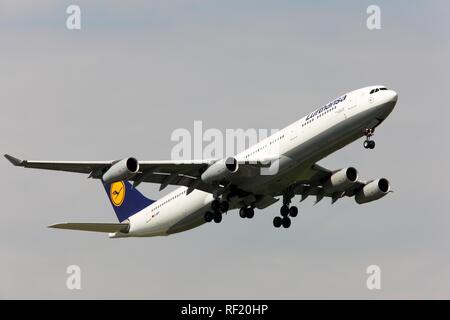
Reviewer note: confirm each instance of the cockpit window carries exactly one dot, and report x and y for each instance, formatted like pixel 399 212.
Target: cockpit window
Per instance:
pixel 376 90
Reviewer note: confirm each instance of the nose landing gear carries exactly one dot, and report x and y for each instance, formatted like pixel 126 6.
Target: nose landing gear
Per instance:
pixel 369 144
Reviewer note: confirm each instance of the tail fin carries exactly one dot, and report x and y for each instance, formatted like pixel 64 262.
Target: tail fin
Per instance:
pixel 125 199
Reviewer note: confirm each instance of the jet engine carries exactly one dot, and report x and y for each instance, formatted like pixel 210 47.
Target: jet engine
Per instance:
pixel 373 191
pixel 122 170
pixel 341 180
pixel 220 170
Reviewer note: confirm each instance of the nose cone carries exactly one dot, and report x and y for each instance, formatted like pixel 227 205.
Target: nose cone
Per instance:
pixel 386 103
pixel 392 96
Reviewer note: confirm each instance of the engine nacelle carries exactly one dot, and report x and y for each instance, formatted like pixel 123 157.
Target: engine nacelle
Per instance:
pixel 220 170
pixel 122 170
pixel 373 191
pixel 341 180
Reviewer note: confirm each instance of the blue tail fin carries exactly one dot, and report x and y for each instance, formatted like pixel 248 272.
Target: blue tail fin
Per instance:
pixel 125 200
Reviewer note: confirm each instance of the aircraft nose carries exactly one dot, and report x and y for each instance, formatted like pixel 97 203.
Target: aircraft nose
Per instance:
pixel 393 96
pixel 387 103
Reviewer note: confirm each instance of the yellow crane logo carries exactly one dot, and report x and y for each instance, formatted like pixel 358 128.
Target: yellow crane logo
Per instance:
pixel 117 193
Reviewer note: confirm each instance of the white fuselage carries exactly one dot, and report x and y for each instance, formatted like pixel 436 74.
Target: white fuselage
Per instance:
pixel 298 145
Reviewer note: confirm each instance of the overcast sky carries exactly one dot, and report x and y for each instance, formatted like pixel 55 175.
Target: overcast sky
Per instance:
pixel 135 72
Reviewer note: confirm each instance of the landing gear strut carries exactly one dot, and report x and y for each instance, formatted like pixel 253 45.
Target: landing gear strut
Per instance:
pixel 369 144
pixel 286 211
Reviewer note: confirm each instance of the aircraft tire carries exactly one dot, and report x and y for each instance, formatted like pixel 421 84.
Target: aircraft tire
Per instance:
pixel 217 217
pixel 284 210
pixel 277 222
pixel 286 222
pixel 208 216
pixel 293 211
pixel 250 212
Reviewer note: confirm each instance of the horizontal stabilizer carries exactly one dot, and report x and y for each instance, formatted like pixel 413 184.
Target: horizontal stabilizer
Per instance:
pixel 97 227
pixel 13 160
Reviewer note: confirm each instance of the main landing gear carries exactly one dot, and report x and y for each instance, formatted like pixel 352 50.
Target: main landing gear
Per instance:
pixel 369 144
pixel 286 211
pixel 218 207
pixel 246 212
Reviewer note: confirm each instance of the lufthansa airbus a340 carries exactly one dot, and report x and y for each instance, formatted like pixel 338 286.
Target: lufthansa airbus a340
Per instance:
pixel 209 188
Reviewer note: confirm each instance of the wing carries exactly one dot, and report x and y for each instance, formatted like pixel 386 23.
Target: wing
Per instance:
pixel 92 166
pixel 169 172
pixel 314 186
pixel 70 166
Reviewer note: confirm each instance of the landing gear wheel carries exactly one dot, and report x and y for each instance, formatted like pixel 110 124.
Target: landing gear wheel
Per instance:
pixel 242 213
pixel 366 144
pixel 224 206
pixel 249 213
pixel 277 222
pixel 217 217
pixel 208 216
pixel 284 210
pixel 215 205
pixel 286 222
pixel 293 211
pixel 371 144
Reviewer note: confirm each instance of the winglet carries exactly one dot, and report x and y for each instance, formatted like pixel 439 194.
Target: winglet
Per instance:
pixel 13 160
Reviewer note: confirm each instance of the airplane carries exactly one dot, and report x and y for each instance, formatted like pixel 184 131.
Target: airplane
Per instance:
pixel 209 188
